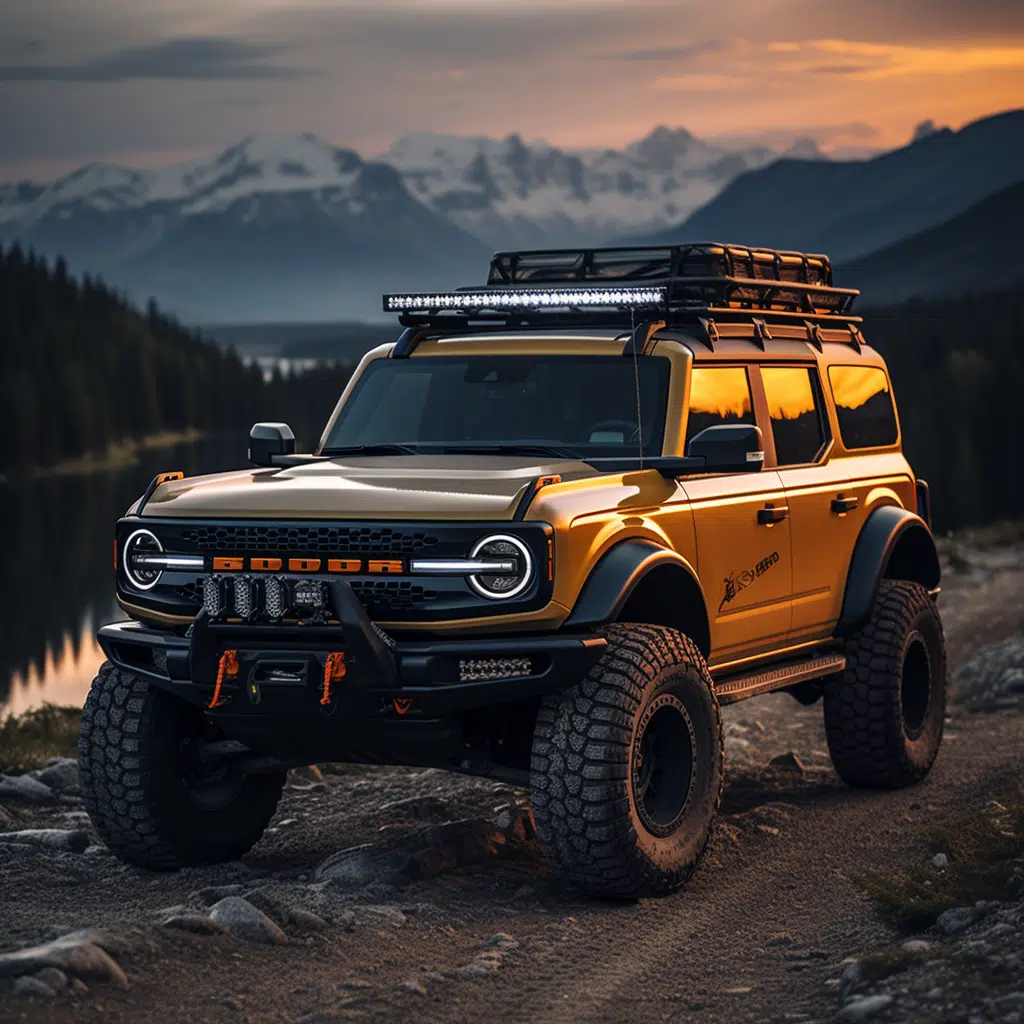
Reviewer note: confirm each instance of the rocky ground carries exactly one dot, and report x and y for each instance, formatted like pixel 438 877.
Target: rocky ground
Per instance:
pixel 394 894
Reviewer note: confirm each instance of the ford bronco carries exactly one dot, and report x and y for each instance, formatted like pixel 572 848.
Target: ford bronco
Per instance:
pixel 544 537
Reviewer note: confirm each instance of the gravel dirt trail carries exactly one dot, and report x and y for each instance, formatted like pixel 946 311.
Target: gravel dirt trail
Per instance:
pixel 477 929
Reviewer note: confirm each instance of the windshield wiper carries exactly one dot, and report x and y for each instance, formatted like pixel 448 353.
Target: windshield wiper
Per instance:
pixel 525 448
pixel 371 449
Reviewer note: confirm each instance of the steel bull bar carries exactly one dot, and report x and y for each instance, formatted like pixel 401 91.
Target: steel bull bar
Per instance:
pixel 280 667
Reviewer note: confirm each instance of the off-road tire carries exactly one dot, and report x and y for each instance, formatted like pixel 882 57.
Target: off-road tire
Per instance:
pixel 584 775
pixel 884 714
pixel 129 759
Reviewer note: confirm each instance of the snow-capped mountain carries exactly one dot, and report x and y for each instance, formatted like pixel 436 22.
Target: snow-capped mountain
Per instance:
pixel 272 228
pixel 290 227
pixel 509 193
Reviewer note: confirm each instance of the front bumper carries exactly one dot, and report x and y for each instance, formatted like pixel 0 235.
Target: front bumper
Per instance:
pixel 391 693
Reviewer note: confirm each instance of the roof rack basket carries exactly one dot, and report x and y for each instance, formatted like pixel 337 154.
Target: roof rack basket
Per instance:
pixel 616 287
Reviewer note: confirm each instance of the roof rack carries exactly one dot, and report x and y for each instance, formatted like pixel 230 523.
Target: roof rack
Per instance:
pixel 619 287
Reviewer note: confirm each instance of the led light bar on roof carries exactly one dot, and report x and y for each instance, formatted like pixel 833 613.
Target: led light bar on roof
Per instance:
pixel 501 299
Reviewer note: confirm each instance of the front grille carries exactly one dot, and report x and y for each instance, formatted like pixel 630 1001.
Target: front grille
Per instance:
pixel 191 592
pixel 383 596
pixel 347 540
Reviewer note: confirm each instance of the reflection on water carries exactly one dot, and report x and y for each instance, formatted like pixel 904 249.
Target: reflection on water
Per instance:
pixel 56 574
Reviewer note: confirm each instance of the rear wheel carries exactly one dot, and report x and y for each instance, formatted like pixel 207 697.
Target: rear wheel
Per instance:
pixel 884 714
pixel 627 766
pixel 151 797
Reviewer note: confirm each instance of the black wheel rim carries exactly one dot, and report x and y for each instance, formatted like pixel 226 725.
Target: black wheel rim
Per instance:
pixel 664 764
pixel 915 685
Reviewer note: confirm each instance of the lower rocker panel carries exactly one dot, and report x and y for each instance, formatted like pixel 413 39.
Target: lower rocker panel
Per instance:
pixel 734 688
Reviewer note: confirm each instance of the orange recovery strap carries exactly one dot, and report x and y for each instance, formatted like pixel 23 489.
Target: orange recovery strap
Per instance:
pixel 334 671
pixel 227 666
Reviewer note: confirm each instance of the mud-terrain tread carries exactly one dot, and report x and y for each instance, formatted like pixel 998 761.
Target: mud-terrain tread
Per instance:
pixel 580 764
pixel 117 768
pixel 863 722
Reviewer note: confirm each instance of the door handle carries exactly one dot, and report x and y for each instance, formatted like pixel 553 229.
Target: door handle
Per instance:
pixel 772 514
pixel 841 505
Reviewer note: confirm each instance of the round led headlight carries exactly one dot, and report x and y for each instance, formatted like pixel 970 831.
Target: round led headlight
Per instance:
pixel 502 586
pixel 141 543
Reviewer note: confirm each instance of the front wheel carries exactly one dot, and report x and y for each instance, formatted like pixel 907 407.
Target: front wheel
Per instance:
pixel 149 794
pixel 627 766
pixel 884 714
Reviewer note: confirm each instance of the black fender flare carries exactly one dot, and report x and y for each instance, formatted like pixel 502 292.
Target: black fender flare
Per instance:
pixel 888 530
pixel 617 574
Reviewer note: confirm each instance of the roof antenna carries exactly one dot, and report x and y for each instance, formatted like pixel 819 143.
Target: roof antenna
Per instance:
pixel 636 381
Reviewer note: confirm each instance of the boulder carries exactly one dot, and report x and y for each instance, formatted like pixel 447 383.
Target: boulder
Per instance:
pixel 244 921
pixel 24 789
pixel 60 774
pixel 64 840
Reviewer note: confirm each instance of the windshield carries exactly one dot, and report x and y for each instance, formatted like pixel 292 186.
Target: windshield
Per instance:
pixel 548 404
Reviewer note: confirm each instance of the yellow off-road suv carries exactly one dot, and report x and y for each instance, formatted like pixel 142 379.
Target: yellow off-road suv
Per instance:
pixel 544 537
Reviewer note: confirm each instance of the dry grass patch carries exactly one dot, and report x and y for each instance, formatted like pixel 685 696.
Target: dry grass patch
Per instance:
pixel 29 740
pixel 983 850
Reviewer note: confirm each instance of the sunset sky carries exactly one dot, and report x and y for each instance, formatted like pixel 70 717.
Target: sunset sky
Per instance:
pixel 148 83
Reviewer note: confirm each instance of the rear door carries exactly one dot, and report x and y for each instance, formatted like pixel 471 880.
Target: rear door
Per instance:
pixel 818 496
pixel 743 537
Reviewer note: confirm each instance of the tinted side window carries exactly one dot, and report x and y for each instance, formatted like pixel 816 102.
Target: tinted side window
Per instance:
pixel 864 406
pixel 795 410
pixel 718 394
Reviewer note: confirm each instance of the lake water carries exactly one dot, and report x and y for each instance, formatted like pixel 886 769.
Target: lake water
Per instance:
pixel 57 576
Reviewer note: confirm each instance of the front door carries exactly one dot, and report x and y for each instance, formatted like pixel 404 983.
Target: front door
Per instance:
pixel 743 533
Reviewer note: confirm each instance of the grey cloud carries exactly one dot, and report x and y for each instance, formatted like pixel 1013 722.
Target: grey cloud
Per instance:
pixel 197 58
pixel 659 53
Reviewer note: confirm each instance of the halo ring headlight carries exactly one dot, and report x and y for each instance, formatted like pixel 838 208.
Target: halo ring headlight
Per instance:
pixel 142 579
pixel 501 545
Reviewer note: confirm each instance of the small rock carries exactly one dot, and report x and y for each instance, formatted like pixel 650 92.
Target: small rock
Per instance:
pixel 214 893
pixel 393 915
pixel 60 774
pixel 850 974
pixel 346 920
pixel 955 920
pixel 865 1007
pixel 79 987
pixel 53 977
pixel 940 860
pixel 198 924
pixel 918 946
pixel 306 775
pixel 24 789
pixel 415 985
pixel 244 921
pixel 32 986
pixel 89 961
pixel 67 840
pixel 305 920
pixel 417 808
pixel 788 761
pixel 78 953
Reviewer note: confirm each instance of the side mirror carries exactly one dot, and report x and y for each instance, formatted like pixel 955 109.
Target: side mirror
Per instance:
pixel 269 439
pixel 729 448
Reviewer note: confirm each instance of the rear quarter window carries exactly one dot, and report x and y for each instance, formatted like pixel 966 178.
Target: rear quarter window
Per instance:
pixel 864 406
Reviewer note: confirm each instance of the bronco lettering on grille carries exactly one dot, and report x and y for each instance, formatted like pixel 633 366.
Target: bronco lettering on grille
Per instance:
pixel 389 566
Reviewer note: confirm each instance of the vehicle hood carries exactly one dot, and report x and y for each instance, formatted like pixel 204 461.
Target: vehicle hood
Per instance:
pixel 392 487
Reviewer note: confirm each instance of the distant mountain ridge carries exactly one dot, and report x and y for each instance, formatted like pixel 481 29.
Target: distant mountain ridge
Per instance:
pixel 977 251
pixel 851 208
pixel 290 227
